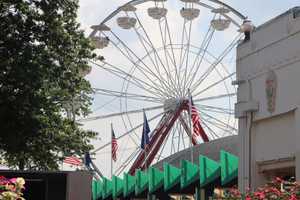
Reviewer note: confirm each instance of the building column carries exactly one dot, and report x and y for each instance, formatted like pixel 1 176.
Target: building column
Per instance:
pixel 243 176
pixel 297 138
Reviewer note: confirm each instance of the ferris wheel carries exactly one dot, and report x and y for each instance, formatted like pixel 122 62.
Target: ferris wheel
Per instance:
pixel 154 58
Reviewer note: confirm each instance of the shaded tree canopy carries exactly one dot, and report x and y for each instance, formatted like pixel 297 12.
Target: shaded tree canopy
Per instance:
pixel 43 55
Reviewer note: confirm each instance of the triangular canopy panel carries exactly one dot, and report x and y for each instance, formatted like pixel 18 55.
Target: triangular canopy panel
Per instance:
pixel 229 167
pixel 210 170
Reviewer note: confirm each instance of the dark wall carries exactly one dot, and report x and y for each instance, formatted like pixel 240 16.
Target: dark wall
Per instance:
pixel 54 185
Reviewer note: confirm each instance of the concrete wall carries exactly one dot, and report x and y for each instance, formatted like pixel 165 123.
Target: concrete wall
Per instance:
pixel 210 149
pixel 269 139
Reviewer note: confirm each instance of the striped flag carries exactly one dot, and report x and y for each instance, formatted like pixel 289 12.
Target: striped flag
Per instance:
pixel 72 160
pixel 114 145
pixel 198 131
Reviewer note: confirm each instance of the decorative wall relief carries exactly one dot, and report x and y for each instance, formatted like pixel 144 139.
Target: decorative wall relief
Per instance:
pixel 271 90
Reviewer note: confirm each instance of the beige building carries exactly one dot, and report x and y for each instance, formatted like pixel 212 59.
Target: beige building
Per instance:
pixel 268 108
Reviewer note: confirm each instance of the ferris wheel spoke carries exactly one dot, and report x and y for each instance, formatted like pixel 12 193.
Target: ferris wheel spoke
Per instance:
pixel 186 127
pixel 216 63
pixel 212 133
pixel 144 42
pixel 132 96
pixel 215 109
pixel 121 113
pixel 127 161
pixel 164 32
pixel 172 56
pixel 163 147
pixel 129 132
pixel 116 71
pixel 221 96
pixel 174 131
pixel 219 121
pixel 169 79
pixel 184 80
pixel 169 40
pixel 215 84
pixel 146 70
pixel 223 129
pixel 182 136
pixel 203 49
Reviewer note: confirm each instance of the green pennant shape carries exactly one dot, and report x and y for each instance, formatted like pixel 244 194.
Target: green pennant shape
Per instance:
pixel 189 175
pixel 229 167
pixel 129 185
pixel 209 170
pixel 94 190
pixel 117 188
pixel 99 190
pixel 156 179
pixel 171 176
pixel 107 188
pixel 141 182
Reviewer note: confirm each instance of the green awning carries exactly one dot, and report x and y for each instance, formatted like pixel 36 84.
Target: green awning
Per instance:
pixel 96 190
pixel 229 167
pixel 141 182
pixel 171 176
pixel 117 188
pixel 189 175
pixel 129 185
pixel 107 188
pixel 209 170
pixel 156 179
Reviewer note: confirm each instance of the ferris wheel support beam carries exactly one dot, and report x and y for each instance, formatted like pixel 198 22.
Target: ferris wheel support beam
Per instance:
pixel 156 140
pixel 187 129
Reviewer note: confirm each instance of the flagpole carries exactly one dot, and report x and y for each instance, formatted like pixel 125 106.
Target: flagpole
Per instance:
pixel 111 157
pixel 145 147
pixel 191 126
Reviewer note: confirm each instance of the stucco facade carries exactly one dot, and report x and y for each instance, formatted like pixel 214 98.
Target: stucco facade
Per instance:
pixel 268 79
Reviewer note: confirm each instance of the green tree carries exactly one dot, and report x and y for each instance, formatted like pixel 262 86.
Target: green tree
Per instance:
pixel 43 55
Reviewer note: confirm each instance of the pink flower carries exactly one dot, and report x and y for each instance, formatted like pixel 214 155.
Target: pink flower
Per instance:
pixel 293 197
pixel 13 180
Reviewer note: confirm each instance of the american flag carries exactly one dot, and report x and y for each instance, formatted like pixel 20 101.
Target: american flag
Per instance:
pixel 114 145
pixel 72 160
pixel 198 131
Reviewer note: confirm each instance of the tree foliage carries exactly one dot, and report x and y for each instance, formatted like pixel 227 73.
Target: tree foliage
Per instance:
pixel 42 56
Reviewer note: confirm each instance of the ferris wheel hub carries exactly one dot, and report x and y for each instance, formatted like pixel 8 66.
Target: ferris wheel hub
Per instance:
pixel 172 104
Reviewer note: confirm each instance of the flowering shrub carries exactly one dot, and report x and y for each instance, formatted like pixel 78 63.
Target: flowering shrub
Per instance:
pixel 276 189
pixel 11 189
